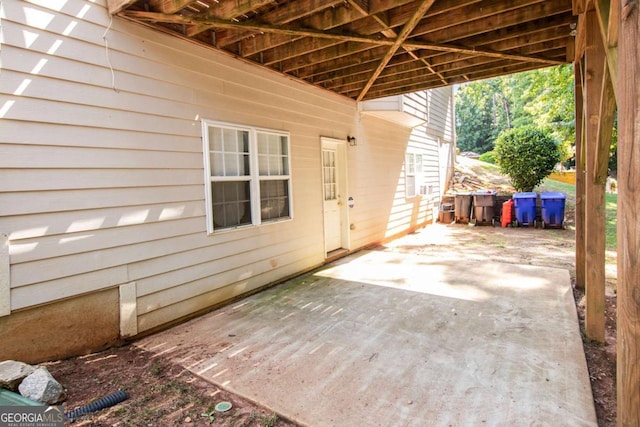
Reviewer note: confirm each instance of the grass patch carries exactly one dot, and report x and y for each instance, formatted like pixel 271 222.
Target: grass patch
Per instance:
pixel 611 212
pixel 611 208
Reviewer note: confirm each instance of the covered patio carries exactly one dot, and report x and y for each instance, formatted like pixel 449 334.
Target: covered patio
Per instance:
pixel 366 50
pixel 403 334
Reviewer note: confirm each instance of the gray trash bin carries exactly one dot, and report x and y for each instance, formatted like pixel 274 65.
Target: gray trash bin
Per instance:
pixel 484 202
pixel 463 207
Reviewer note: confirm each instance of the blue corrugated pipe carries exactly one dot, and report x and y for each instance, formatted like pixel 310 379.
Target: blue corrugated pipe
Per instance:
pixel 102 403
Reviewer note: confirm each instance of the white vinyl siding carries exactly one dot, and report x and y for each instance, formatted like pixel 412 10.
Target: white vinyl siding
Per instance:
pixel 247 178
pixel 101 164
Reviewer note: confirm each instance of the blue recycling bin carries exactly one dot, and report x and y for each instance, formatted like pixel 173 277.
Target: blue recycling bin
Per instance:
pixel 524 205
pixel 552 209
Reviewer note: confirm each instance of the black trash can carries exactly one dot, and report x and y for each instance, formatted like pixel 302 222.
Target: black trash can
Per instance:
pixel 446 213
pixel 463 207
pixel 484 202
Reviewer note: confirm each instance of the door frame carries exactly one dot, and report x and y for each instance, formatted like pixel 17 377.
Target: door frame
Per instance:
pixel 341 165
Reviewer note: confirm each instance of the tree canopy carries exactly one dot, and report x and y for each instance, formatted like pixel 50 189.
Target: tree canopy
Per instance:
pixel 543 98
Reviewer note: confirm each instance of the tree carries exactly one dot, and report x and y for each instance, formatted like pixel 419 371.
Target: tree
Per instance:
pixel 541 97
pixel 474 119
pixel 527 155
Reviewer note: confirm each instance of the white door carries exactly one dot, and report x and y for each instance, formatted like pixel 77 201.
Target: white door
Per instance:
pixel 333 199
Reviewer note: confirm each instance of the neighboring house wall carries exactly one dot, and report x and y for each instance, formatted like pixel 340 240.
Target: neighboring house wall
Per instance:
pixel 102 182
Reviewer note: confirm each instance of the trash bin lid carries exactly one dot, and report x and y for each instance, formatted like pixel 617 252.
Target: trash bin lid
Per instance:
pixel 525 195
pixel 463 194
pixel 485 193
pixel 553 195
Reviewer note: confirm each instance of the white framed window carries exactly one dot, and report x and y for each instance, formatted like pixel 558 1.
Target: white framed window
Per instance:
pixel 247 175
pixel 413 172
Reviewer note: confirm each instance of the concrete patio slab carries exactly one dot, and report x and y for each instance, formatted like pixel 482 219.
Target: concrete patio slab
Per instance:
pixel 398 339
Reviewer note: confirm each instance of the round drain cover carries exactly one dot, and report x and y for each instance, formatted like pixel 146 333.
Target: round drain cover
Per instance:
pixel 223 406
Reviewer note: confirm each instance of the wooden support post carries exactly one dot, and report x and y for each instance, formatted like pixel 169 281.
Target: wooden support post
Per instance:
pixel 580 178
pixel 628 285
pixel 594 206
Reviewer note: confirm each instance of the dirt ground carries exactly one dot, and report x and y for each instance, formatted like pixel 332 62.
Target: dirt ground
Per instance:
pixel 162 394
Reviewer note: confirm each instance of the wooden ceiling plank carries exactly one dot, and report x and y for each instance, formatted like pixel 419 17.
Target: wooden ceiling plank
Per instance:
pixel 278 29
pixel 397 16
pixel 453 63
pixel 470 14
pixel 364 57
pixel 169 6
pixel 402 36
pixel 115 6
pixel 497 22
pixel 338 17
pixel 555 22
pixel 303 46
pixel 395 44
pixel 342 50
pixel 482 51
pixel 290 12
pixel 363 74
pixel 388 32
pixel 507 69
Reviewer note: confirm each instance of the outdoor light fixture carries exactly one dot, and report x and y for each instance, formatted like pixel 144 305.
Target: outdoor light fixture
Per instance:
pixel 352 140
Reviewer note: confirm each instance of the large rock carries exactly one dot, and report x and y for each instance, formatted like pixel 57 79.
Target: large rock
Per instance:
pixel 12 373
pixel 42 387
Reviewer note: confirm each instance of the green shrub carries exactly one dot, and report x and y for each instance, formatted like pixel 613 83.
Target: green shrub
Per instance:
pixel 488 157
pixel 526 155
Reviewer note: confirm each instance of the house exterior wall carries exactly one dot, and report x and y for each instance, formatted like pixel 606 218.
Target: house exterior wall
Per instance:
pixel 102 179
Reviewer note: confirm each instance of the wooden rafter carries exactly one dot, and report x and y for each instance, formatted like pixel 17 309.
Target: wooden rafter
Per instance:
pixel 406 31
pixel 350 45
pixel 339 37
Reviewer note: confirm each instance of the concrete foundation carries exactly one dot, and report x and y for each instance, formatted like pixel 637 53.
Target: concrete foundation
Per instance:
pixel 63 329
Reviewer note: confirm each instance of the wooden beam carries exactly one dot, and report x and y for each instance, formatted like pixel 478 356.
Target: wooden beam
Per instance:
pixel 339 37
pixel 406 31
pixel 595 207
pixel 605 128
pixel 581 263
pixel 607 14
pixel 579 6
pixel 390 33
pixel 581 36
pixel 289 12
pixel 482 52
pixel 472 19
pixel 169 6
pixel 116 6
pixel 252 26
pixel 628 284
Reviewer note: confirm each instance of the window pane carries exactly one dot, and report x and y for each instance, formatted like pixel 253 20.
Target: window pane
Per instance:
pixel 273 159
pixel 284 144
pixel 410 166
pixel 275 165
pixel 229 152
pixel 274 199
pixel 243 141
pixel 230 140
pixel 231 204
pixel 215 139
pixel 411 186
pixel 217 164
pixel 263 145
